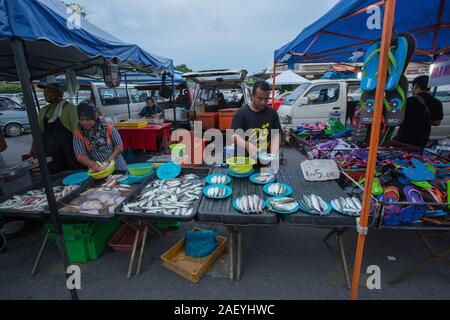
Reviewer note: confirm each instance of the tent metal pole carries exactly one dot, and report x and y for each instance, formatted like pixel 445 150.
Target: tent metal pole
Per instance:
pixel 273 82
pixel 388 23
pixel 173 101
pixel 128 97
pixel 24 77
pixel 36 100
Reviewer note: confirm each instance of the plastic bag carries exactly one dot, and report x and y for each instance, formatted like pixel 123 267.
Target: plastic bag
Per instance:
pixel 200 243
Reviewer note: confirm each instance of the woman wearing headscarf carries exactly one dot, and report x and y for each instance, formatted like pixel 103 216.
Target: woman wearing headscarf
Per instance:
pixel 95 140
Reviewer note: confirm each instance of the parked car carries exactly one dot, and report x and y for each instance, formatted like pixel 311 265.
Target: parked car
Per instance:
pixel 279 100
pixel 218 89
pixel 13 117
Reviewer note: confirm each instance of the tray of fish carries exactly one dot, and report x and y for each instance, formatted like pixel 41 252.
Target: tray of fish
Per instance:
pixel 218 179
pixel 283 205
pixel 249 204
pixel 277 189
pixel 174 199
pixel 217 191
pixel 314 204
pixel 262 178
pixel 99 201
pixel 350 206
pixel 32 201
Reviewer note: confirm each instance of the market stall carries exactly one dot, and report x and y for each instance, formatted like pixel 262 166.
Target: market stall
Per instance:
pixel 224 211
pixel 328 40
pixel 162 197
pixel 39 41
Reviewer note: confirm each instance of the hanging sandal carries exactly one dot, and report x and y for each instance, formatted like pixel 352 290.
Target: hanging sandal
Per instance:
pixel 395 102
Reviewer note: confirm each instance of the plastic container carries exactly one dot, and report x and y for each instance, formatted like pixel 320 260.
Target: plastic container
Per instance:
pixel 190 268
pixel 82 247
pixel 123 240
pixel 209 119
pixel 131 124
pixel 140 169
pixel 167 225
pixel 241 164
pixel 104 173
pixel 177 152
pixel 226 118
pixel 193 153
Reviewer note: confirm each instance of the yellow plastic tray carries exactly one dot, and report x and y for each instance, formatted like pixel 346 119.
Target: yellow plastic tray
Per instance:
pixel 192 269
pixel 130 124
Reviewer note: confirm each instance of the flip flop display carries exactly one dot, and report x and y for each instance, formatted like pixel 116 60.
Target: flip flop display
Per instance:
pixel 419 173
pixel 367 107
pixel 397 60
pixel 371 59
pixel 395 102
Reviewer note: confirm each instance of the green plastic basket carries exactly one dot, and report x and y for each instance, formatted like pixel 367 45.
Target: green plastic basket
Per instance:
pixel 82 247
pixel 167 225
pixel 74 227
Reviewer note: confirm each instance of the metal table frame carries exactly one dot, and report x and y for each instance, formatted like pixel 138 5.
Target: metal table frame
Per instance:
pixel 421 232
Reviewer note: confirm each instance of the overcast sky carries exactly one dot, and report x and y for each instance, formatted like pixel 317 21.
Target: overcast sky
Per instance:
pixel 207 34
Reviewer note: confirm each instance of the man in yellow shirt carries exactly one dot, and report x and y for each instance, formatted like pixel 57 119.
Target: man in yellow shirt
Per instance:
pixel 57 121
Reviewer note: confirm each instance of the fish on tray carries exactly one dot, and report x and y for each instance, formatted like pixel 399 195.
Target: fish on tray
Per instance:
pixel 350 205
pixel 314 204
pixel 173 197
pixel 264 178
pixel 277 189
pixel 283 204
pixel 35 200
pixel 250 204
pixel 221 179
pixel 217 192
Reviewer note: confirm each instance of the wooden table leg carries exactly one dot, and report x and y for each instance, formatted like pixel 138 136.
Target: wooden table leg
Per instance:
pixel 142 250
pixel 231 252
pixel 41 251
pixel 343 257
pixel 130 267
pixel 239 254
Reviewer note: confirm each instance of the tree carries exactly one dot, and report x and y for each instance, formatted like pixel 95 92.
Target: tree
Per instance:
pixel 183 68
pixel 75 7
pixel 10 87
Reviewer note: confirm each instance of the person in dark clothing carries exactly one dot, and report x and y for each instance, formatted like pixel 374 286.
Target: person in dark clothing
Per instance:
pixel 57 122
pixel 260 119
pixel 422 111
pixel 151 110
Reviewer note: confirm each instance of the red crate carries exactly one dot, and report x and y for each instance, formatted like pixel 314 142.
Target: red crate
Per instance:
pixel 123 240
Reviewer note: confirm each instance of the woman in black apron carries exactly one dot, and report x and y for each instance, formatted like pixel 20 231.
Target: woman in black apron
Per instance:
pixel 58 145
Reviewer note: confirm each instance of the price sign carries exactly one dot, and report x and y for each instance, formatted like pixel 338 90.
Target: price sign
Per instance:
pixel 320 170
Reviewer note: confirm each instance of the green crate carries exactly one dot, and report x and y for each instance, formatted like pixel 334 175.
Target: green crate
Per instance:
pixel 74 227
pixel 84 247
pixel 167 225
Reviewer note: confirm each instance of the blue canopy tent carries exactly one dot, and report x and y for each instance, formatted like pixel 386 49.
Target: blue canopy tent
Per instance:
pixel 42 37
pixel 53 45
pixel 343 35
pixel 345 32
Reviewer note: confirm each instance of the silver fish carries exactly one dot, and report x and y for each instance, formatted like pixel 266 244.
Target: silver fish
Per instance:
pixel 283 204
pixel 244 203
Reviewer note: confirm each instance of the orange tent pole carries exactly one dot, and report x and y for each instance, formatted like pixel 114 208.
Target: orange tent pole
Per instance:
pixel 388 23
pixel 273 82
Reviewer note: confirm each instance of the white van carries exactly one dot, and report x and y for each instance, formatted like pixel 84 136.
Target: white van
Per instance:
pixel 312 102
pixel 112 102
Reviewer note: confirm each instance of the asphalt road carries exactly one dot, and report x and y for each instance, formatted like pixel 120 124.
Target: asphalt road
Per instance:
pixel 280 262
pixel 16 147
